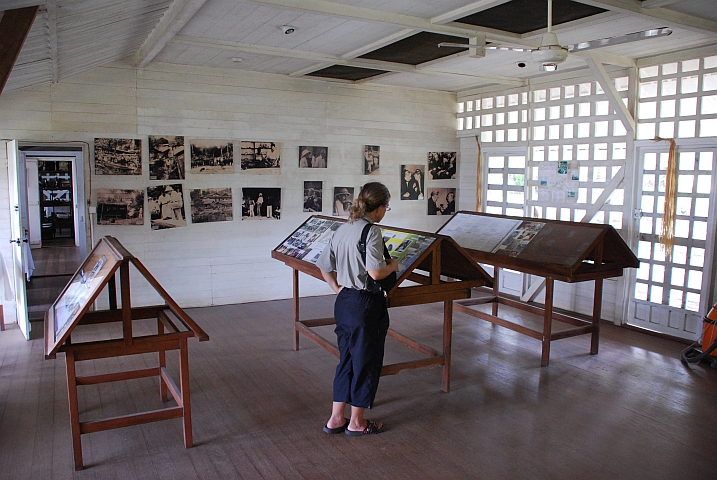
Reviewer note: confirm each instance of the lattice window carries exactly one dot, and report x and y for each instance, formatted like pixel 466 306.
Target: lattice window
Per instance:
pixel 678 99
pixel 573 125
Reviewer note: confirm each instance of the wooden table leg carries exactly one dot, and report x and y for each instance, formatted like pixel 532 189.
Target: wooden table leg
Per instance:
pixel 447 338
pixel 162 365
pixel 597 305
pixel 2 319
pixel 74 409
pixel 547 322
pixel 184 389
pixel 296 308
pixel 496 290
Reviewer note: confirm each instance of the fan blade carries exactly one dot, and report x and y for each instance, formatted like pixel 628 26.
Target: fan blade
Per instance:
pixel 630 37
pixel 512 49
pixel 455 45
pixel 487 47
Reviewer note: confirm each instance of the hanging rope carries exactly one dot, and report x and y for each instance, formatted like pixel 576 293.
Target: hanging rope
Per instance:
pixel 667 232
pixel 479 179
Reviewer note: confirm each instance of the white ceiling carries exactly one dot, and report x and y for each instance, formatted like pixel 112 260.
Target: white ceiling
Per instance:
pixel 71 36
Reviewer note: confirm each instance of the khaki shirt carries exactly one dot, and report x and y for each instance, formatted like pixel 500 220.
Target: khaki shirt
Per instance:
pixel 342 254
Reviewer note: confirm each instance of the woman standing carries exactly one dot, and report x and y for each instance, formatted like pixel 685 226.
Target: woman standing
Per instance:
pixel 361 317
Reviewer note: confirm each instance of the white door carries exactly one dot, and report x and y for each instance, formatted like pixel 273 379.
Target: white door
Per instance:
pixel 18 235
pixel 504 194
pixel 670 294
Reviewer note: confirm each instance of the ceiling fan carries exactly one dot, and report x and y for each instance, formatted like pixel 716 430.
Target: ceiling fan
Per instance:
pixel 550 53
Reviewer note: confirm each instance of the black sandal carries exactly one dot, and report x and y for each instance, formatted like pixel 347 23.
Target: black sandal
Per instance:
pixel 371 428
pixel 334 431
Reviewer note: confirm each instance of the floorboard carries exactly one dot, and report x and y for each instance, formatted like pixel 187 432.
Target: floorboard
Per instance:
pixel 632 411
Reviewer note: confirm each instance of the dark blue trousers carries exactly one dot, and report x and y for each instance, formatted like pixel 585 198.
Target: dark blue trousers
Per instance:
pixel 361 327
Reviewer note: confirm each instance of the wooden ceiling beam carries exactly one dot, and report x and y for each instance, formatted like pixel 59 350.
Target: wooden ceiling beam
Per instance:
pixel 466 10
pixel 409 21
pixel 14 27
pixel 179 13
pixel 667 18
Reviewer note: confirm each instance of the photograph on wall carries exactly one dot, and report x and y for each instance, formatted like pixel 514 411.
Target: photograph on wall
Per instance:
pixel 441 165
pixel 313 198
pixel 166 157
pixel 166 206
pixel 343 198
pixel 120 207
pixel 211 156
pixel 412 182
pixel 118 156
pixel 313 157
pixel 370 159
pixel 211 205
pixel 261 157
pixel 441 201
pixel 260 203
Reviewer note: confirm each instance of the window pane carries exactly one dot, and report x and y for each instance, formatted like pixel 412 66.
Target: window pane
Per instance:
pixel 689 84
pixel 495 178
pixel 641 291
pixel 667 108
pixel 699 230
pixel 656 294
pixel 515 179
pixel 688 106
pixel 676 298
pixel 694 279
pixel 678 277
pixel 669 86
pixel 697 257
pixel 679 254
pixel 515 197
pixel 516 162
pixel 494 195
pixel 692 302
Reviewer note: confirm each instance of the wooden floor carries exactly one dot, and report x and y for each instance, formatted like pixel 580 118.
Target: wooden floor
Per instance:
pixel 54 266
pixel 631 412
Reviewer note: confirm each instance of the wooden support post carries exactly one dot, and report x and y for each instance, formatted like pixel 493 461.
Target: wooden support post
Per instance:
pixel 162 364
pixel 14 28
pixel 296 309
pixel 447 338
pixel 597 305
pixel 126 304
pixel 547 321
pixel 2 319
pixel 184 389
pixel 496 290
pixel 74 409
pixel 112 291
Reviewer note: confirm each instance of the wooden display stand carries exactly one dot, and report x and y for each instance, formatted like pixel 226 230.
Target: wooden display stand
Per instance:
pixel 72 309
pixel 565 251
pixel 433 255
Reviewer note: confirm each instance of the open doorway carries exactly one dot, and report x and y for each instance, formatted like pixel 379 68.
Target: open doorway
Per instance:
pixel 56 225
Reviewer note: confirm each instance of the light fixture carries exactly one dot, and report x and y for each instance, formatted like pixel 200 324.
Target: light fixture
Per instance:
pixel 237 59
pixel 287 29
pixel 548 67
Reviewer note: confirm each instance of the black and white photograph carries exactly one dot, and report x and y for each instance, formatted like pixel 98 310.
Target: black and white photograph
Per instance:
pixel 262 157
pixel 370 159
pixel 120 207
pixel 118 156
pixel 166 157
pixel 441 165
pixel 343 198
pixel 441 201
pixel 412 182
pixel 313 157
pixel 313 199
pixel 211 205
pixel 260 203
pixel 211 156
pixel 166 206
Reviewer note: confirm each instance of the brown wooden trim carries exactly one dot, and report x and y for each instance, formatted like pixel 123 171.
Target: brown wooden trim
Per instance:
pixel 413 344
pixel 116 348
pixel 318 339
pixel 116 377
pixel 15 25
pixel 498 321
pixel 168 382
pixel 176 309
pixel 397 367
pixel 318 322
pixel 109 316
pixel 130 420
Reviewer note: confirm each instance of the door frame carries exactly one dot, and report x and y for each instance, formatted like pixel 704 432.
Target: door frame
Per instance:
pixel 710 265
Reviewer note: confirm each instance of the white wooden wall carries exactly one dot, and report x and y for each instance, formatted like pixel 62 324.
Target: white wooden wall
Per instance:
pixel 230 262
